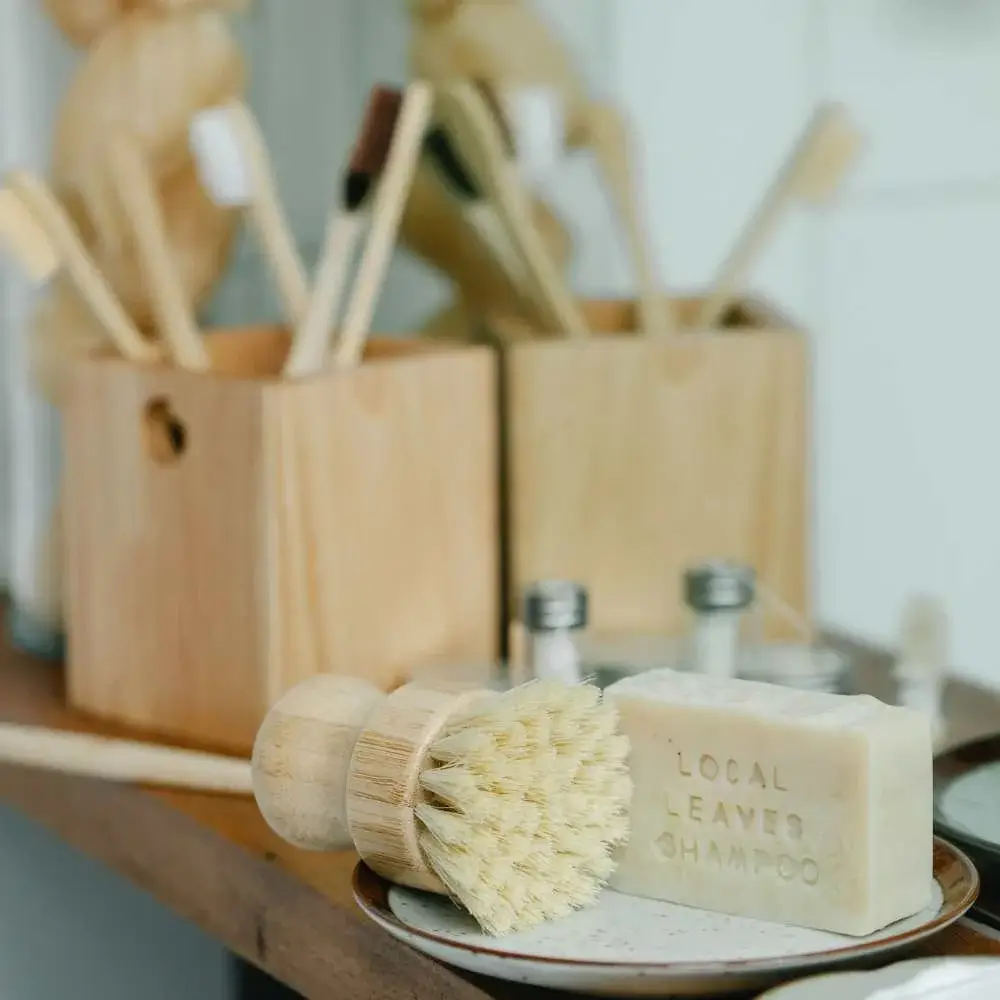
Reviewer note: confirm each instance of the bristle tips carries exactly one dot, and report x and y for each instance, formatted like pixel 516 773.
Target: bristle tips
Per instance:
pixel 528 795
pixel 371 150
pixel 220 159
pixel 22 237
pixel 924 631
pixel 831 149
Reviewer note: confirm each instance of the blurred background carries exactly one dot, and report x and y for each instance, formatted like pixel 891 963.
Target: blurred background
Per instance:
pixel 894 284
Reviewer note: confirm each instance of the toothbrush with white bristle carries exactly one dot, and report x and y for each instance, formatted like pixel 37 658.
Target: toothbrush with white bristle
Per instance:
pixel 234 166
pixel 921 668
pixel 347 224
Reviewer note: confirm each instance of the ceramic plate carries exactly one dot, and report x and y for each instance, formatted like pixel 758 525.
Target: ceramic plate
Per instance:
pixel 861 985
pixel 625 946
pixel 967 795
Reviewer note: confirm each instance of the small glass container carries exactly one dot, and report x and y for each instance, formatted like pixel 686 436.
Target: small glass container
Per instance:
pixel 555 616
pixel 719 594
pixel 801 665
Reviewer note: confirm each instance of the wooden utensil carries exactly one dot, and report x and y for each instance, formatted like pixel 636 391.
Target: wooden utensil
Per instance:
pixel 345 227
pixel 477 210
pixel 138 197
pixel 387 212
pixel 611 144
pixel 825 152
pixel 122 760
pixel 473 128
pixel 234 166
pixel 38 230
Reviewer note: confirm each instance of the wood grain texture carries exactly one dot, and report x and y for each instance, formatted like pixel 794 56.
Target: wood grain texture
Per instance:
pixel 630 458
pixel 343 524
pixel 383 784
pixel 214 861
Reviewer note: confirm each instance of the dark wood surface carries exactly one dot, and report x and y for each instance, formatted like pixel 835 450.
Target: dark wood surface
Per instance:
pixel 213 860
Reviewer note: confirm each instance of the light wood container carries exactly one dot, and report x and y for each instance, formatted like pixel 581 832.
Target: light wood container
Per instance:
pixel 230 535
pixel 630 458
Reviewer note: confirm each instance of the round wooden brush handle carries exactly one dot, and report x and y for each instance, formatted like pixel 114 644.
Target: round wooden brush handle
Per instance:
pixel 336 765
pixel 301 756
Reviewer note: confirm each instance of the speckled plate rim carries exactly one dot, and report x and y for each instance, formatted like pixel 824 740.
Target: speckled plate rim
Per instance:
pixel 953 871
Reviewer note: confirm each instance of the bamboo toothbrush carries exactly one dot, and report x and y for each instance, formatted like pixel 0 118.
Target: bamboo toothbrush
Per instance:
pixel 477 210
pixel 311 344
pixel 824 154
pixel 122 760
pixel 511 803
pixel 234 166
pixel 36 228
pixel 921 667
pixel 471 122
pixel 387 212
pixel 174 315
pixel 436 229
pixel 611 144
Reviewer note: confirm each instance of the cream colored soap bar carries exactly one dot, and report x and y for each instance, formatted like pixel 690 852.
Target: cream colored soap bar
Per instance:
pixel 794 806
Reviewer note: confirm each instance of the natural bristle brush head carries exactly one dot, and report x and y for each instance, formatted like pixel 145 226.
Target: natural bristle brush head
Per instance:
pixel 220 157
pixel 371 150
pixel 25 239
pixel 829 149
pixel 923 639
pixel 523 799
pixel 511 802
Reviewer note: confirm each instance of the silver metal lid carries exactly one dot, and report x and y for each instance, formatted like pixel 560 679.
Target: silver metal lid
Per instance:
pixel 720 586
pixel 555 604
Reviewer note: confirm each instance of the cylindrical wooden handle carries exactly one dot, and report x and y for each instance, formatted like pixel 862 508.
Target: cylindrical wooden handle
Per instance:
pixel 337 763
pixel 122 760
pixel 87 278
pixel 383 785
pixel 302 755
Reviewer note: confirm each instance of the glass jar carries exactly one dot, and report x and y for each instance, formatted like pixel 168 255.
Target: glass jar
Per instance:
pixel 719 595
pixel 555 616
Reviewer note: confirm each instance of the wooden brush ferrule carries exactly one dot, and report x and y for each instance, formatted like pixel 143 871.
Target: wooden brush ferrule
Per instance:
pixel 383 785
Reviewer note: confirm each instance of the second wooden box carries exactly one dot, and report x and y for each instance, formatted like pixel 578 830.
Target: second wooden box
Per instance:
pixel 631 458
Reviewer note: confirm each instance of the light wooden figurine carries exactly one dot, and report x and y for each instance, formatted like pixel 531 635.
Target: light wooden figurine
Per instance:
pixel 450 223
pixel 506 43
pixel 146 67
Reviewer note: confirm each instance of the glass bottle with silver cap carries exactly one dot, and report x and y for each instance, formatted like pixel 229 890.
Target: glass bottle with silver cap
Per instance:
pixel 555 615
pixel 719 595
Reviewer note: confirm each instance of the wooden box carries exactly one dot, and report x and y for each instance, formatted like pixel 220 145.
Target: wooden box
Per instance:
pixel 629 459
pixel 231 534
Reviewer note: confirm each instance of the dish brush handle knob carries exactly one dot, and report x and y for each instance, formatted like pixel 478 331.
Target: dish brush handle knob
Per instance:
pixel 302 756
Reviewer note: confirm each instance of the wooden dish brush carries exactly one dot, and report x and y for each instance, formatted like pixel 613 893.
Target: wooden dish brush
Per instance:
pixel 509 802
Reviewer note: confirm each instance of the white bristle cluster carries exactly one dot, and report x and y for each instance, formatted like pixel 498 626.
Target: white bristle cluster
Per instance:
pixel 219 157
pixel 526 797
pixel 537 119
pixel 923 640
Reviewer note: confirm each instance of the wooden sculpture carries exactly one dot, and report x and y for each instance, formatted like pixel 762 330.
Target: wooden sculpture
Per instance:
pixel 508 43
pixel 147 66
pixel 435 227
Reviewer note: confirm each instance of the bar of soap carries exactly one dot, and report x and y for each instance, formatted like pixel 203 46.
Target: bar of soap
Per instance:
pixel 800 807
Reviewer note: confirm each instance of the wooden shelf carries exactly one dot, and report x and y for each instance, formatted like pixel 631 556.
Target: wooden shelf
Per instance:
pixel 213 860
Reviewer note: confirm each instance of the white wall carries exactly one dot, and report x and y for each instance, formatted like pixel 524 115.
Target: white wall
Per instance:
pixel 894 283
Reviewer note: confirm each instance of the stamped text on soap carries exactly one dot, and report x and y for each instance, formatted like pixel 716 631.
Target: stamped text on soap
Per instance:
pixel 710 825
